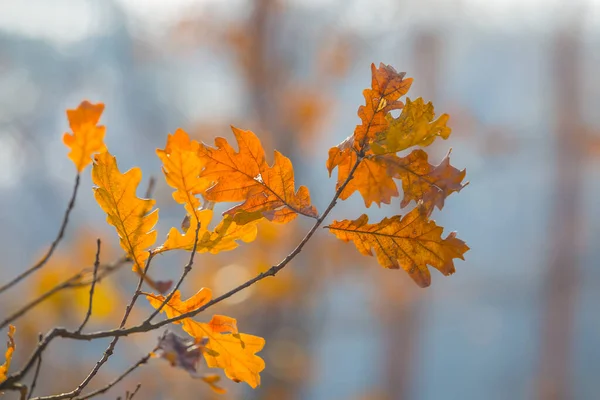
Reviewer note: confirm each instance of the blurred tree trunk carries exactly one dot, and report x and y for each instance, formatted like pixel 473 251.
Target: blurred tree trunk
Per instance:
pixel 561 287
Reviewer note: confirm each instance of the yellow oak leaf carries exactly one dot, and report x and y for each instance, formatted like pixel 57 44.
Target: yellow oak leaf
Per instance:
pixel 224 237
pixel 87 136
pixel 116 194
pixel 177 307
pixel 225 348
pixel 411 243
pixel 414 127
pixel 10 348
pixel 266 191
pixel 182 167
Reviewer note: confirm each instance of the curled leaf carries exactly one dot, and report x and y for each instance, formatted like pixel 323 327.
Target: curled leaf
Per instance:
pixel 180 352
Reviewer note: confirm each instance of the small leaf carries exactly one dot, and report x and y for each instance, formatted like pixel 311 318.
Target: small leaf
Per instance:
pixel 211 380
pixel 10 348
pixel 87 137
pixel 180 352
pixel 412 242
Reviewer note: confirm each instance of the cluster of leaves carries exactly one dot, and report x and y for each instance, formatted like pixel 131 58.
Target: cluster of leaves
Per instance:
pixel 370 155
pixel 203 175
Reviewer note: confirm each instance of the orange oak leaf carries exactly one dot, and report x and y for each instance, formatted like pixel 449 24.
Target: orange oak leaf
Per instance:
pixel 226 348
pixel 412 243
pixel 266 191
pixel 182 167
pixel 87 137
pixel 422 181
pixel 224 237
pixel 414 127
pixel 387 86
pixel 10 348
pixel 130 215
pixel 373 180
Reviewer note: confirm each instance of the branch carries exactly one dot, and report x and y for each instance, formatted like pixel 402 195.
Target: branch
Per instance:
pixel 106 388
pixel 109 350
pixel 147 326
pixel 54 244
pixel 70 283
pixel 129 396
pixel 37 371
pixel 94 279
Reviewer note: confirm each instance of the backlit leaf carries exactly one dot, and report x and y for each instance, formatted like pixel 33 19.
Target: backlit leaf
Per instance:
pixel 224 237
pixel 226 348
pixel 381 136
pixel 116 194
pixel 10 348
pixel 422 181
pixel 182 167
pixel 87 136
pixel 266 191
pixel 411 243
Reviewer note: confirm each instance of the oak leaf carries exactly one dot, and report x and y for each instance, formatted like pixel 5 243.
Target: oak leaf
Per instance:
pixel 182 166
pixel 422 181
pixel 224 237
pixel 130 215
pixel 87 136
pixel 411 243
pixel 10 348
pixel 226 348
pixel 387 86
pixel 266 191
pixel 414 127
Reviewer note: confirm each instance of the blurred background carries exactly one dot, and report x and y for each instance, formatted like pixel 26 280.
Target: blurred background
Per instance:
pixel 519 78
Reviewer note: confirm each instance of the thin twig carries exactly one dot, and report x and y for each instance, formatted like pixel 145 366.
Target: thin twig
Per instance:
pixel 110 349
pixel 53 246
pixel 106 388
pixel 70 283
pixel 130 396
pixel 92 286
pixel 186 270
pixel 147 326
pixel 36 374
